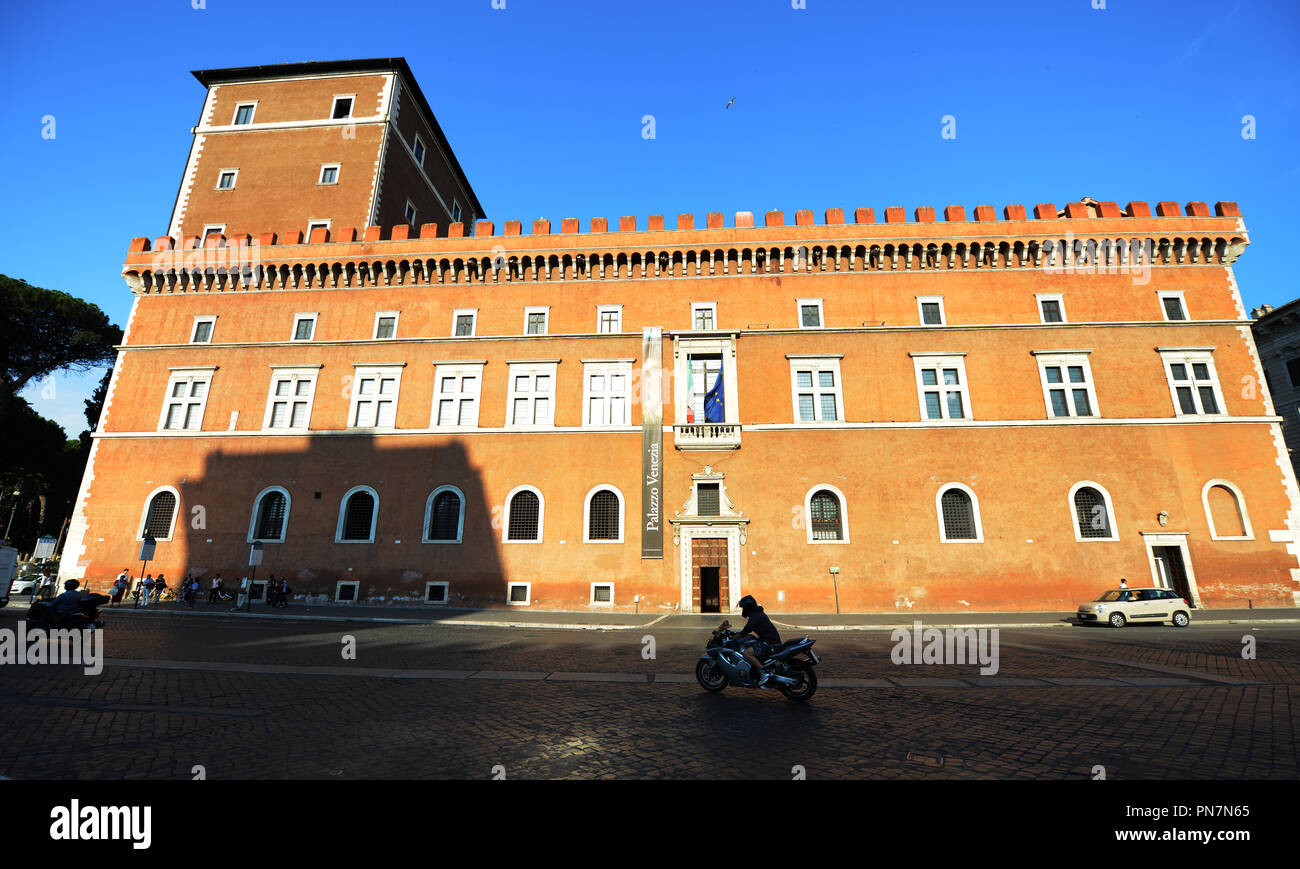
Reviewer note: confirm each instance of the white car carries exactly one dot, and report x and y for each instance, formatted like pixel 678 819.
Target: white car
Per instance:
pixel 1119 606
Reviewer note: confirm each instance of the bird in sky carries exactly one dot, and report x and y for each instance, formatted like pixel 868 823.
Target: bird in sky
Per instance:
pixel 728 105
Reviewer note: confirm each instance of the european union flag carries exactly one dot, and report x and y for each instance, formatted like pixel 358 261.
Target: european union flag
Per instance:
pixel 713 404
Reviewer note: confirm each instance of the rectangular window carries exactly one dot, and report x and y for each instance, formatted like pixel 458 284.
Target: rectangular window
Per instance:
pixel 289 404
pixel 463 322
pixel 342 107
pixel 535 320
pixel 409 213
pixel 386 324
pixel 455 211
pixel 1172 306
pixel 810 313
pixel 1293 372
pixel 704 315
pixel 374 396
pixel 607 393
pixel 931 309
pixel 217 229
pixel 941 386
pixel 1051 308
pixel 1067 385
pixel 817 390
pixel 329 173
pixel 609 319
pixel 226 180
pixel 304 327
pixel 187 396
pixel 456 402
pixel 1193 383
pixel 602 594
pixel 435 592
pixel 203 330
pixel 315 225
pixel 418 150
pixel 707 501
pixel 520 593
pixel 531 396
pixel 244 113
pixel 703 373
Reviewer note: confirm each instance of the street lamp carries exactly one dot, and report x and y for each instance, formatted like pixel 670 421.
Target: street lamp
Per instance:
pixel 254 559
pixel 12 512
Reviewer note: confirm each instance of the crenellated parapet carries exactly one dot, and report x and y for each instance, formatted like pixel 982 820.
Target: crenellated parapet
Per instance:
pixel 1087 236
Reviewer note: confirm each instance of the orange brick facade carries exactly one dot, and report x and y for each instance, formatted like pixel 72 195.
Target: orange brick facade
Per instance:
pixel 905 420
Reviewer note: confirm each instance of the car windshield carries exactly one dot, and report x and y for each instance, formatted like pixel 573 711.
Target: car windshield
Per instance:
pixel 1111 595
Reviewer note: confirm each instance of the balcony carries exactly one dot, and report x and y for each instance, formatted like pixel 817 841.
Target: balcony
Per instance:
pixel 707 436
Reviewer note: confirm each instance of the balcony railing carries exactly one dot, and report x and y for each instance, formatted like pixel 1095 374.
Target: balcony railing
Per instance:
pixel 707 436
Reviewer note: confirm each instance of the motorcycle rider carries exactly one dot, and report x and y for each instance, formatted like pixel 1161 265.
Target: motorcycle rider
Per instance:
pixel 68 603
pixel 763 630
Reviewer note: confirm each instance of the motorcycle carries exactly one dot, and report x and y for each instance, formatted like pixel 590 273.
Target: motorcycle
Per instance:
pixel 43 615
pixel 790 665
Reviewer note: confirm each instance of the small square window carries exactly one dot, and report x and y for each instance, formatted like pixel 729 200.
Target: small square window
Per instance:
pixel 810 313
pixel 520 594
pixel 1051 308
pixel 304 327
pixel 609 319
pixel 226 180
pixel 464 322
pixel 1172 303
pixel 203 330
pixel 244 113
pixel 535 321
pixel 931 308
pixel 329 173
pixel 342 108
pixel 315 225
pixel 435 592
pixel 602 594
pixel 418 150
pixel 704 315
pixel 386 324
pixel 218 229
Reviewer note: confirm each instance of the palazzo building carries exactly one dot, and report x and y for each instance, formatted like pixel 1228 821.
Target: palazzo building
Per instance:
pixel 334 355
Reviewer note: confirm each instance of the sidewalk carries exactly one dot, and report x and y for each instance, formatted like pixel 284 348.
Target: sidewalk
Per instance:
pixel 621 621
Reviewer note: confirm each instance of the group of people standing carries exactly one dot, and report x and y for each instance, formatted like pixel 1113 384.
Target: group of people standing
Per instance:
pixel 277 591
pixel 150 589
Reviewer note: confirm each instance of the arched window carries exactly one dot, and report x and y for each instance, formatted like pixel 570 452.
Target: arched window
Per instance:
pixel 1092 513
pixel 824 516
pixel 270 516
pixel 357 516
pixel 959 514
pixel 524 519
pixel 604 514
pixel 1225 511
pixel 160 515
pixel 444 517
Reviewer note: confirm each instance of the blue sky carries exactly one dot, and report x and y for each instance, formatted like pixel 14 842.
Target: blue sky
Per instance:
pixel 837 104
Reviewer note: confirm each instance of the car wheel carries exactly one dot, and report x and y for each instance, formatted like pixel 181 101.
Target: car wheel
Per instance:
pixel 1117 620
pixel 1181 620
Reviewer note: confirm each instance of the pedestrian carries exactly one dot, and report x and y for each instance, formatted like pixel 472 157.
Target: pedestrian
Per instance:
pixel 282 595
pixel 1123 582
pixel 268 590
pixel 146 589
pixel 159 586
pixel 47 585
pixel 120 586
pixel 191 592
pixel 214 588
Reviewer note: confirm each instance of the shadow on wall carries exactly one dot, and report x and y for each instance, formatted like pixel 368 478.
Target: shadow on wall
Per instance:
pixel 355 521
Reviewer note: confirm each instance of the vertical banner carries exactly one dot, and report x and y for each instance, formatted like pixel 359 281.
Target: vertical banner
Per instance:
pixel 652 430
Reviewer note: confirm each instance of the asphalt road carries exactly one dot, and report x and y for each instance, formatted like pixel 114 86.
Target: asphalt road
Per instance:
pixel 231 697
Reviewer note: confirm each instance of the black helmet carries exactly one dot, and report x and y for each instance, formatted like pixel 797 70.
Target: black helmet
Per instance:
pixel 747 605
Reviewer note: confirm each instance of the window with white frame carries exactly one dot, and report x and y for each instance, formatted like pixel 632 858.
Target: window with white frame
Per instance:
pixel 931 310
pixel 1172 305
pixel 159 516
pixel 226 179
pixel 826 514
pixel 304 326
pixel 959 515
pixel 602 594
pixel 358 512
pixel 187 396
pixel 810 313
pixel 1225 511
pixel 386 324
pixel 456 398
pixel 342 106
pixel 609 318
pixel 817 389
pixel 374 396
pixel 244 113
pixel 606 392
pixel 531 397
pixel 436 592
pixel 289 404
pixel 444 515
pixel 463 322
pixel 519 594
pixel 703 376
pixel 1193 383
pixel 1094 517
pixel 704 315
pixel 1067 384
pixel 535 320
pixel 270 516
pixel 409 212
pixel 203 327
pixel 418 150
pixel 1051 307
pixel 603 519
pixel 211 229
pixel 329 173
pixel 525 510
pixel 941 386
pixel 314 225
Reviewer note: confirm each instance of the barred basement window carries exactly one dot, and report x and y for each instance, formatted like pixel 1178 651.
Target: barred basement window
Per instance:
pixel 602 524
pixel 161 511
pixel 524 513
pixel 444 519
pixel 825 516
pixel 435 592
pixel 602 593
pixel 706 500
pixel 1090 508
pixel 520 593
pixel 358 517
pixel 958 518
pixel 270 517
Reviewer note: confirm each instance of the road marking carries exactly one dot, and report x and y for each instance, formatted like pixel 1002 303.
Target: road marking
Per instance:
pixel 1138 665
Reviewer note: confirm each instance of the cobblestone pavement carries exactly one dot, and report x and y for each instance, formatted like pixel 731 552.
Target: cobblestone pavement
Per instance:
pixel 428 702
